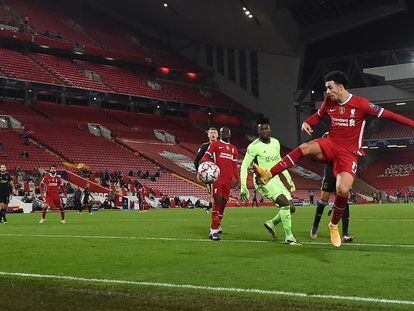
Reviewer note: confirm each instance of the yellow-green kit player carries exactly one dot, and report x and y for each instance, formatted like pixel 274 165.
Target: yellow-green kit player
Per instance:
pixel 265 151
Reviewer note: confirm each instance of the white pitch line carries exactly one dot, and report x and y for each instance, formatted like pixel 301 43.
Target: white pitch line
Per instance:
pixel 380 220
pixel 109 237
pixel 214 289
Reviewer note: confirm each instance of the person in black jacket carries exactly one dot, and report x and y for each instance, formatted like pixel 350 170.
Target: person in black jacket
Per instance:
pixel 77 195
pixel 6 191
pixel 87 198
pixel 212 136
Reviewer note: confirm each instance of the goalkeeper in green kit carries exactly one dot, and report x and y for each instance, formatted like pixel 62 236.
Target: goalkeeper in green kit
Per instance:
pixel 265 151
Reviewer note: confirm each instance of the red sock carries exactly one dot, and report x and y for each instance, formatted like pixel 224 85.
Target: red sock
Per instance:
pixel 221 212
pixel 339 208
pixel 44 213
pixel 215 215
pixel 287 162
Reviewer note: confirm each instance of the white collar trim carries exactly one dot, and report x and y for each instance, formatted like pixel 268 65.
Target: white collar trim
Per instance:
pixel 346 100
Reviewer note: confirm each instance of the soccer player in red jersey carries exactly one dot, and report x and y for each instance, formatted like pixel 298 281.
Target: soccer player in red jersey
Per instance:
pixel 342 147
pixel 225 156
pixel 49 188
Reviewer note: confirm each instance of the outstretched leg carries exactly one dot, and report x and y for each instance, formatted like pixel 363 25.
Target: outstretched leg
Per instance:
pixel 311 148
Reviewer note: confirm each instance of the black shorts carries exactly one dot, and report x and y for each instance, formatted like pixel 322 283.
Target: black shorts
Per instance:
pixel 4 199
pixel 329 179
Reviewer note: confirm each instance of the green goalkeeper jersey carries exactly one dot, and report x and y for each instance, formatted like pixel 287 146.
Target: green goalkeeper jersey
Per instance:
pixel 264 155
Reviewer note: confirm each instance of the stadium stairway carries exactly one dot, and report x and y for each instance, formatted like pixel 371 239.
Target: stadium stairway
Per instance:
pixel 101 79
pixel 69 72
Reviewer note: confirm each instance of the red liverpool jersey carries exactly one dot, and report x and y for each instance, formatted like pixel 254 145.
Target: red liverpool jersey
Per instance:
pixel 348 120
pixel 225 156
pixel 52 184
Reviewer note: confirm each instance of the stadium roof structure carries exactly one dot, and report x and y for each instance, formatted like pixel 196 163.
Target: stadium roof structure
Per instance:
pixel 279 26
pixel 321 18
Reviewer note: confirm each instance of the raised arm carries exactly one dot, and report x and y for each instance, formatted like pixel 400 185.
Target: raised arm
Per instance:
pixel 315 118
pixel 387 114
pixel 379 112
pixel 42 186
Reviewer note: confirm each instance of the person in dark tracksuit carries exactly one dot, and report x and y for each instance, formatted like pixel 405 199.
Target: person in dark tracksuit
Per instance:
pixel 6 190
pixel 77 196
pixel 86 198
pixel 212 136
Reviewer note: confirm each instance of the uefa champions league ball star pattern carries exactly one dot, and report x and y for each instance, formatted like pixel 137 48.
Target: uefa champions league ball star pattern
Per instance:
pixel 209 172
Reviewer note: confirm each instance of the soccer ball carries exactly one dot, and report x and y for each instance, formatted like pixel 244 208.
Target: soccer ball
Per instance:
pixel 209 172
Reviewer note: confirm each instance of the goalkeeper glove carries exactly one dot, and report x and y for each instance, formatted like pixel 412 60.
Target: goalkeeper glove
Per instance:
pixel 244 194
pixel 262 176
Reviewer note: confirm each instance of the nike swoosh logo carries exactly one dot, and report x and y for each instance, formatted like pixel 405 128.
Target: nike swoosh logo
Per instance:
pixel 221 147
pixel 331 110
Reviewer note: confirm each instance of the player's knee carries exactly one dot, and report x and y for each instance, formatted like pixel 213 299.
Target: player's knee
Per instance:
pixel 282 202
pixel 305 147
pixel 342 190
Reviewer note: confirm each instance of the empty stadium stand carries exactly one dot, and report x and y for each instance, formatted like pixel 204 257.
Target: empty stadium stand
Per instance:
pixel 73 23
pixel 16 65
pixel 70 73
pixel 124 81
pixel 46 19
pixel 14 146
pixel 391 171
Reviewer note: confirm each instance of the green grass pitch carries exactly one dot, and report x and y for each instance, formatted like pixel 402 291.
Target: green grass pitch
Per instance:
pixel 171 246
